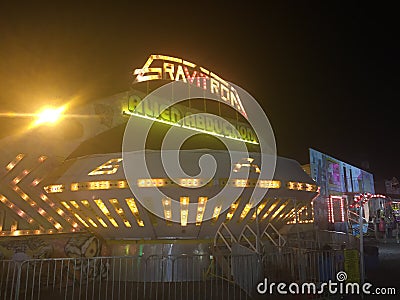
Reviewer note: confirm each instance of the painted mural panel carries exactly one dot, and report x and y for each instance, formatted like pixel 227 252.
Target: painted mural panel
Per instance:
pixel 335 176
pixel 50 246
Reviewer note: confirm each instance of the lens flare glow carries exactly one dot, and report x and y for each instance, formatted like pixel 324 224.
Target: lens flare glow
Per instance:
pixel 50 115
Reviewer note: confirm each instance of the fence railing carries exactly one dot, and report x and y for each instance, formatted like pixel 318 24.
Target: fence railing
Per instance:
pixel 162 276
pixel 303 265
pixel 153 277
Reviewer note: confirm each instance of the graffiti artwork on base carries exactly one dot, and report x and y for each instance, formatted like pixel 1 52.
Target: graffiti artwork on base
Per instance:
pixel 86 247
pixel 23 249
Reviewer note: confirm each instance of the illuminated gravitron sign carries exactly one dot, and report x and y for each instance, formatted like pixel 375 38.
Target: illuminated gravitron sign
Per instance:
pixel 164 67
pixel 182 116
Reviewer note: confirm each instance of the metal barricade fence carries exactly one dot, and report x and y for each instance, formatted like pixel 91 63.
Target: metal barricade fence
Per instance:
pixel 295 265
pixel 303 265
pixel 8 279
pixel 154 277
pixel 164 276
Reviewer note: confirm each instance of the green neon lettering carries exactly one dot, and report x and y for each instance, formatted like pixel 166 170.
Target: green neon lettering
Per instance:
pixel 190 120
pixel 209 124
pixel 200 123
pixel 175 115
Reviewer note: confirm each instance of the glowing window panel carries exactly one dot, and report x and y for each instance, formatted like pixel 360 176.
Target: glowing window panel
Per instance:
pixel 292 185
pixel 66 205
pixel 301 186
pixel 189 182
pixel 89 207
pixel 81 220
pixel 120 212
pixel 135 212
pixel 164 182
pixel 272 207
pixel 201 206
pixel 262 183
pixel 105 211
pixel 280 216
pixel 216 212
pixel 92 222
pixel 309 187
pixel 99 185
pixel 232 210
pixel 69 208
pixel 259 209
pixel 241 182
pixel 153 182
pixel 110 167
pixel 54 188
pixel 269 184
pixel 74 187
pixel 74 204
pixel 14 162
pixel 279 209
pixel 122 184
pixel 166 202
pixel 101 221
pixel 184 210
pixel 60 211
pixel 245 211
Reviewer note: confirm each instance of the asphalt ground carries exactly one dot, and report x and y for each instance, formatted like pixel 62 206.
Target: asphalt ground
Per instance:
pixel 384 272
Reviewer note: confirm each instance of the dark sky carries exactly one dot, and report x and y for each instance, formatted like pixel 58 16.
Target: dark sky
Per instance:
pixel 326 74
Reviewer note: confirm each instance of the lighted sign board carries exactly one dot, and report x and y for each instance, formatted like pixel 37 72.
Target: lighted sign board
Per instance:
pixel 182 116
pixel 335 176
pixel 162 67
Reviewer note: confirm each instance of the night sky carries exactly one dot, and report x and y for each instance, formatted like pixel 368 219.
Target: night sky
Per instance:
pixel 326 74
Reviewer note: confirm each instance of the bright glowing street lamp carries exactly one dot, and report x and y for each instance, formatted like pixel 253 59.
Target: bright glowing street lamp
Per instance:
pixel 49 115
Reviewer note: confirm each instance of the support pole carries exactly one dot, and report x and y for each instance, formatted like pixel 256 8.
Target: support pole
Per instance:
pixel 361 223
pixel 257 231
